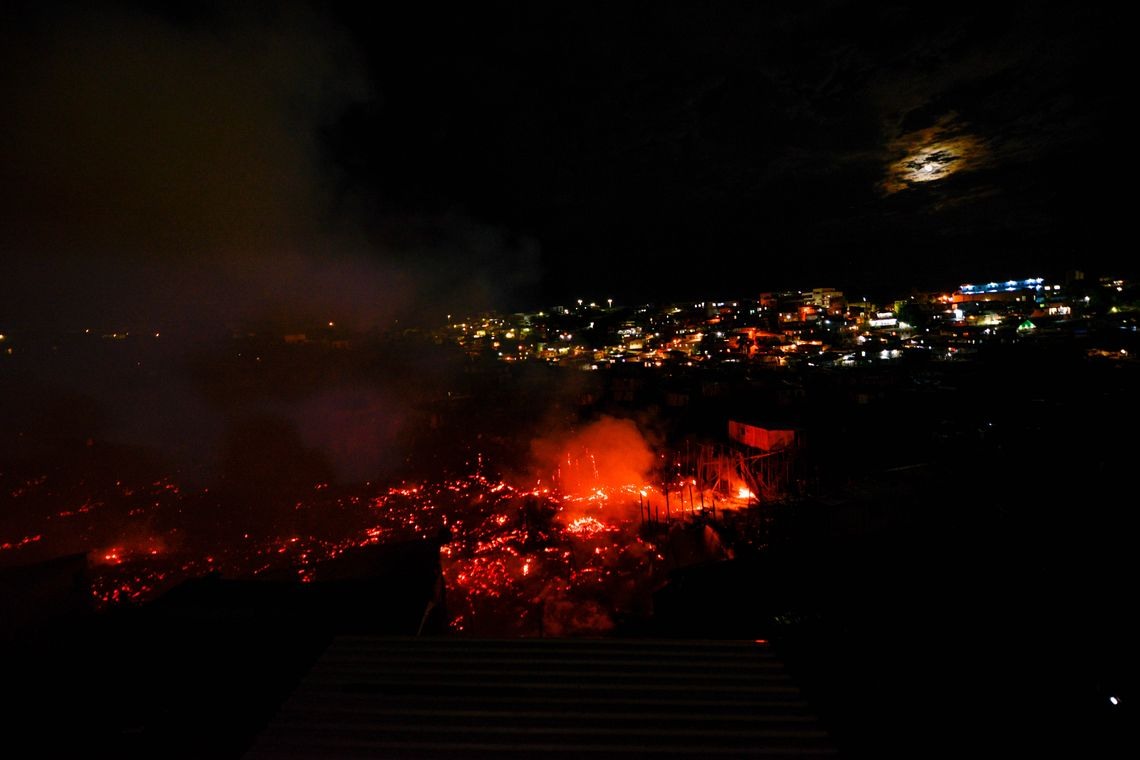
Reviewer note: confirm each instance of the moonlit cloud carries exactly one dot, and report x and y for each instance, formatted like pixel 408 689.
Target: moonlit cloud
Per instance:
pixel 932 154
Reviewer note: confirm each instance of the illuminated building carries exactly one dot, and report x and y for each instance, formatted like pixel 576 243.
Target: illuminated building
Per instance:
pixel 826 297
pixel 884 319
pixel 1007 290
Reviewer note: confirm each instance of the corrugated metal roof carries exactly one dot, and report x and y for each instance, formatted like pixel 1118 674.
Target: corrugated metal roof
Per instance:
pixel 455 697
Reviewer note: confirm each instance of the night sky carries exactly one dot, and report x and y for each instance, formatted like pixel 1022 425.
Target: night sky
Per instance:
pixel 204 163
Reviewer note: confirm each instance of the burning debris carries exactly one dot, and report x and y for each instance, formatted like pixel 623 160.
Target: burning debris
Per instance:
pixel 579 550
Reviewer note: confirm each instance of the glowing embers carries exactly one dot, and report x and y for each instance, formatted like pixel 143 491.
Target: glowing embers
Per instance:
pixel 931 154
pixel 21 543
pixel 515 562
pixel 490 576
pixel 120 576
pixel 589 526
pixel 538 563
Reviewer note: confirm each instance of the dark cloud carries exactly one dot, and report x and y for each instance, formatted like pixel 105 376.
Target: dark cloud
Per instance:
pixel 477 156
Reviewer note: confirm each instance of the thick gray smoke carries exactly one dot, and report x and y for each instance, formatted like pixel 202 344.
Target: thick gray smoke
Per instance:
pixel 166 175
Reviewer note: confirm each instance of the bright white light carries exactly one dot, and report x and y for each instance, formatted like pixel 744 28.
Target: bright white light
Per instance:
pixel 1114 700
pixel 928 168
